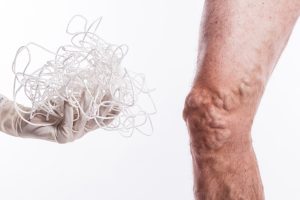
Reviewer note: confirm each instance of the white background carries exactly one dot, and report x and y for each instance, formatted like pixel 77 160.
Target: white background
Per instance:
pixel 162 36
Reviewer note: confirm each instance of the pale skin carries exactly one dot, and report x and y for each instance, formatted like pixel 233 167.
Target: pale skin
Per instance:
pixel 239 46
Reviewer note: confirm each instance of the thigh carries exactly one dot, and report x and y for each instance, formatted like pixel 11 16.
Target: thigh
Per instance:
pixel 240 43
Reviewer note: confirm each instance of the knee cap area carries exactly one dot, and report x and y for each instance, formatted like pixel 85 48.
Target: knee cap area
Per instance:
pixel 206 120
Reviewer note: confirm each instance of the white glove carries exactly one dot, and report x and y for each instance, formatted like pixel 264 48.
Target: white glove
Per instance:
pixel 65 130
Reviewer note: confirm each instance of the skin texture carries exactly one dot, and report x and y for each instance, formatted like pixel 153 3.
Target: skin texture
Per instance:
pixel 239 46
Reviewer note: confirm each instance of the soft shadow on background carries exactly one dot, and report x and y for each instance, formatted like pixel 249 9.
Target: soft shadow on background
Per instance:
pixel 162 37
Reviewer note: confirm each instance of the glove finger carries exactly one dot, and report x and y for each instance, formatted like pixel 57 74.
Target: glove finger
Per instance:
pixel 65 129
pixel 114 111
pixel 91 124
pixel 79 124
pixel 105 111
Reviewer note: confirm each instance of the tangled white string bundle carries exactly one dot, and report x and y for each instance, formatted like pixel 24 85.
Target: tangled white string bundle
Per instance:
pixel 87 64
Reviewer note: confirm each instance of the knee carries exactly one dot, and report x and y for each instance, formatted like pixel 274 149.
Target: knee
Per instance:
pixel 206 116
pixel 216 112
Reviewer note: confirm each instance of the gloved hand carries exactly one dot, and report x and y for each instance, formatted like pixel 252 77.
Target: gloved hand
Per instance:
pixel 63 131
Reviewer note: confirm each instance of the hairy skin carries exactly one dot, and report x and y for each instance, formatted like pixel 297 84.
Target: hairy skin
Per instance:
pixel 240 43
